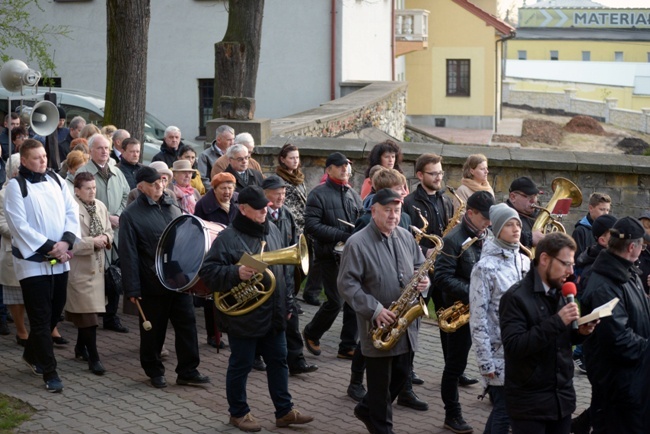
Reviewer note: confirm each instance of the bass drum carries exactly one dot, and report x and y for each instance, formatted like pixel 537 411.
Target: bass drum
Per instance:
pixel 181 251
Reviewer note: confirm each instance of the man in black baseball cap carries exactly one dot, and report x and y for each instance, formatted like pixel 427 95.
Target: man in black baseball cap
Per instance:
pixel 261 325
pixel 336 159
pixel 461 250
pixel 141 225
pixel 481 201
pixel 618 346
pixel 522 197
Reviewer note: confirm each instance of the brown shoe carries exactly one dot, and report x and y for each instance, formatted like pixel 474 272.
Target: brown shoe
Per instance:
pixel 246 423
pixel 294 417
pixel 346 355
pixel 312 345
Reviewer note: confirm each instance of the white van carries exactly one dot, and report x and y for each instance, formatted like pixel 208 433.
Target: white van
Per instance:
pixel 90 106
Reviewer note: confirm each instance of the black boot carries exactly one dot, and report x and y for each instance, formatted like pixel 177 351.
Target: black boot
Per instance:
pixel 408 398
pixel 356 390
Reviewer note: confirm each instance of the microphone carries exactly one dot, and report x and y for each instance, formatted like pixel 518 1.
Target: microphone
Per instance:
pixel 569 292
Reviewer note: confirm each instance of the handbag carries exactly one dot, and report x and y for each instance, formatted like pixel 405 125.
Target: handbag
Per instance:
pixel 113 278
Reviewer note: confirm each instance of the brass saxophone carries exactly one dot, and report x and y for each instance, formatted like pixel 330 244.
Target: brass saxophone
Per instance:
pixel 458 215
pixel 454 317
pixel 457 315
pixel 425 224
pixel 410 305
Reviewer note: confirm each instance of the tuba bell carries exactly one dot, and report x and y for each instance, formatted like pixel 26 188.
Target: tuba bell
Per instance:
pixel 252 293
pixel 547 221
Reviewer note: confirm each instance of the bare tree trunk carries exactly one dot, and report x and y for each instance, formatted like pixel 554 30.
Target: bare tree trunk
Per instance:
pixel 236 60
pixel 126 65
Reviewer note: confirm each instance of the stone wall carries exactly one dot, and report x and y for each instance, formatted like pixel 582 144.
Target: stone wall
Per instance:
pixel 625 178
pixel 603 110
pixel 378 104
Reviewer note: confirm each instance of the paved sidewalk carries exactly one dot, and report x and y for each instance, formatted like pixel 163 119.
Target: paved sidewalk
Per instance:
pixel 122 401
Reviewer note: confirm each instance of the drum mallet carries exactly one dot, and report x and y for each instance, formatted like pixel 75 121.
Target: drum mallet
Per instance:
pixel 146 325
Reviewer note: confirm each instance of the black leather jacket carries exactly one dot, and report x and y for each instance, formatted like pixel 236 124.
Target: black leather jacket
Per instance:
pixel 453 269
pixel 326 204
pixel 615 350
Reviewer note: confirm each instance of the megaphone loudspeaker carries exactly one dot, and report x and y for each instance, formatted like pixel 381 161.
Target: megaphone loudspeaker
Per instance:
pixel 43 118
pixel 15 74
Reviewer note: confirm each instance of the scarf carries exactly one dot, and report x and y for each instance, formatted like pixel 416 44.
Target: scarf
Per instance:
pixel 249 227
pixel 95 225
pixel 30 176
pixel 225 206
pixel 296 178
pixel 505 245
pixel 185 196
pixel 103 172
pixel 475 186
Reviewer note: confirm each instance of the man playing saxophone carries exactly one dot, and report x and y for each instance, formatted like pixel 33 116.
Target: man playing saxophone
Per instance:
pixel 261 329
pixel 377 263
pixel 453 269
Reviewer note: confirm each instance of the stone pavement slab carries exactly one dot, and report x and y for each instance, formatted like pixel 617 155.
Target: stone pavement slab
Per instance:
pixel 122 401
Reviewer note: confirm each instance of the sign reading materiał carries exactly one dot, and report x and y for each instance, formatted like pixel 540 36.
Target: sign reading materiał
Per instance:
pixel 585 18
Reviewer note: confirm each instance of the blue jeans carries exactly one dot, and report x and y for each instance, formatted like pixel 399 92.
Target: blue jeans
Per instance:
pixel 498 422
pixel 273 349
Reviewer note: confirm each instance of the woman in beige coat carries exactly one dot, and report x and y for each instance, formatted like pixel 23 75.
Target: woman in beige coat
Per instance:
pixel 85 298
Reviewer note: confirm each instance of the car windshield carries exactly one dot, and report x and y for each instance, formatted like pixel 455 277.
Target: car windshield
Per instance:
pixel 153 128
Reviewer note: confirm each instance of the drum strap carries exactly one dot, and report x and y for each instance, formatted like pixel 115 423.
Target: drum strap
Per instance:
pixel 245 244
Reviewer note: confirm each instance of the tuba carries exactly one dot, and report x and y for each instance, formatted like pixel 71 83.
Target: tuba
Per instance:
pixel 549 221
pixel 410 304
pixel 252 293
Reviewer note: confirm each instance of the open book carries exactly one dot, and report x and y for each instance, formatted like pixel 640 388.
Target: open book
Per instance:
pixel 599 312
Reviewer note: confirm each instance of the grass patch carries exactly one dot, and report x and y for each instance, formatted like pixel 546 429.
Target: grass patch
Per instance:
pixel 13 412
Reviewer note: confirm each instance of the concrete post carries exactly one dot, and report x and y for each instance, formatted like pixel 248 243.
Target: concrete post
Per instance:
pixel 610 103
pixel 645 125
pixel 569 94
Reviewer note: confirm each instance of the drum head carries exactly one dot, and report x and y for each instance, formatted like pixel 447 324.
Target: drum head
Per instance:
pixel 180 252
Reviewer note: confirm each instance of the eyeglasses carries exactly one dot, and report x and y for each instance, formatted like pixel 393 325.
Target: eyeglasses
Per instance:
pixel 565 263
pixel 436 174
pixel 241 159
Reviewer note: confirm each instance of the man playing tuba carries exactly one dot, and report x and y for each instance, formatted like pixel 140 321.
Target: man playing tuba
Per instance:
pixel 261 328
pixel 522 197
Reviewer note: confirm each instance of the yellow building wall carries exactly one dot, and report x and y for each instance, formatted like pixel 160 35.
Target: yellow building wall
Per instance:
pixel 601 51
pixel 454 33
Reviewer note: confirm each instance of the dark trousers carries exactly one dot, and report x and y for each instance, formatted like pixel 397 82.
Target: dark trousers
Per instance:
pixel 498 422
pixel 326 315
pixel 294 341
pixel 209 308
pixel 386 377
pixel 314 283
pixel 178 309
pixel 113 301
pixel 562 426
pixel 458 345
pixel 273 348
pixel 44 298
pixel 617 417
